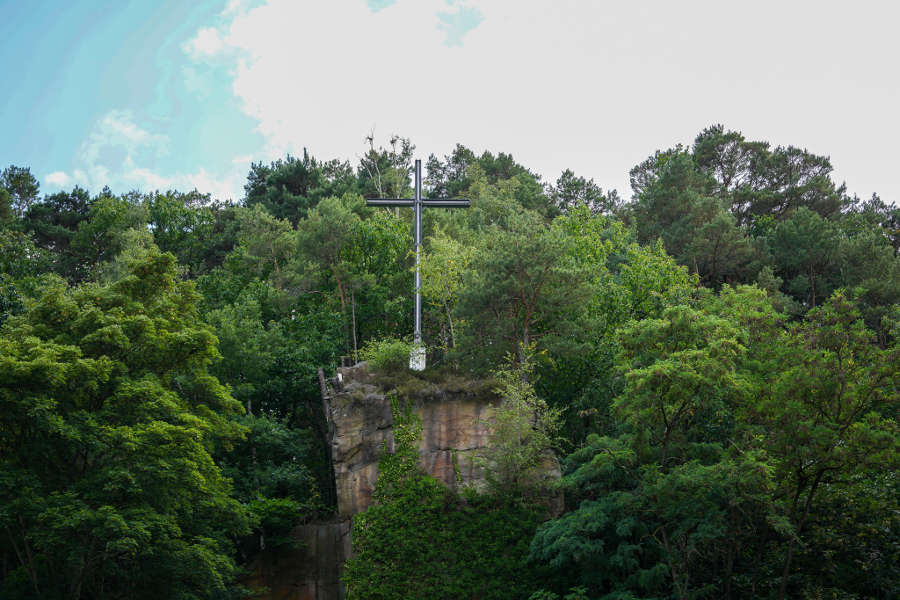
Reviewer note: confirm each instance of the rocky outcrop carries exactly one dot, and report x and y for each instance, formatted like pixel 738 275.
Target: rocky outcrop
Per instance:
pixel 455 415
pixel 309 570
pixel 455 418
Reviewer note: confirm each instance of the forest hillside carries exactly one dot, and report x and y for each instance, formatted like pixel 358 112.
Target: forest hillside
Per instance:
pixel 714 360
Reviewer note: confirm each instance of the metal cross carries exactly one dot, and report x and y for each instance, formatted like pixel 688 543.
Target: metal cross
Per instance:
pixel 417 358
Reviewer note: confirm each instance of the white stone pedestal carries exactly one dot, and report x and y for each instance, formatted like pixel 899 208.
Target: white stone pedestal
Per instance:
pixel 417 357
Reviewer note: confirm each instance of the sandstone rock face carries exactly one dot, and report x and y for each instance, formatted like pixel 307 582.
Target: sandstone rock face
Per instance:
pixel 310 571
pixel 455 418
pixel 455 426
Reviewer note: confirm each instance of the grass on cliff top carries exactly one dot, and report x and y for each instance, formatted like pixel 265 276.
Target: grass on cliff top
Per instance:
pixel 433 383
pixel 388 361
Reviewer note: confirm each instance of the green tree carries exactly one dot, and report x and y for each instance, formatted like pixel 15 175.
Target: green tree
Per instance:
pixel 865 261
pixel 729 158
pixel 523 434
pixel 456 175
pixel 756 180
pixel 270 361
pixel 288 188
pixel 630 282
pixel 100 236
pixel 247 345
pixel 109 416
pixel 20 264
pixel 852 539
pixel 21 187
pixel 272 478
pixel 571 192
pixel 677 205
pixel 678 368
pixel 385 172
pixel 523 287
pixel 196 230
pixel 721 252
pixel 20 257
pixel 382 259
pixel 54 223
pixel 326 239
pixel 667 506
pixel 7 215
pixel 448 178
pixel 804 248
pixel 267 245
pixel 362 256
pixel 442 270
pixel 829 413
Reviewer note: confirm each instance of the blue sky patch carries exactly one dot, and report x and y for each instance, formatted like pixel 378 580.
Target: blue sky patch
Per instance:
pixel 376 5
pixel 457 23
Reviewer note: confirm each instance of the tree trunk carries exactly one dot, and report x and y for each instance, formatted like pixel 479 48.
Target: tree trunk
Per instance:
pixel 277 272
pixel 343 311
pixel 526 343
pixel 729 568
pixel 782 587
pixel 785 572
pixel 25 558
pixel 812 287
pixel 353 321
pixel 450 322
pixel 78 576
pixel 676 579
pixel 253 459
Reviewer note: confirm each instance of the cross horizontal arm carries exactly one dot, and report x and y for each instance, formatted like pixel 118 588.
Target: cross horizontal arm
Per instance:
pixel 390 202
pixel 449 203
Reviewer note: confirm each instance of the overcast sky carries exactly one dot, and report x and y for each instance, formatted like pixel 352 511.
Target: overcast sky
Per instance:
pixel 147 95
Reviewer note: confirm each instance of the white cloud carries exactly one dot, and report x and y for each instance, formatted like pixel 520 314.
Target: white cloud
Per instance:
pixel 234 7
pixel 57 179
pixel 117 131
pixel 117 153
pixel 224 186
pixel 593 86
pixel 110 152
pixel 146 179
pixel 206 43
pixel 80 177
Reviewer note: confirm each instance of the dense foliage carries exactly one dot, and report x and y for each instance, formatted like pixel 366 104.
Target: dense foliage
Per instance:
pixel 110 419
pixel 716 362
pixel 422 541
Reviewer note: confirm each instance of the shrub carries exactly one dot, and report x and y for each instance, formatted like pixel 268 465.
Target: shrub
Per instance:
pixel 387 354
pixel 420 540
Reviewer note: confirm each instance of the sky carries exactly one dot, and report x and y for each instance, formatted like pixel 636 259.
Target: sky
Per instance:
pixel 186 94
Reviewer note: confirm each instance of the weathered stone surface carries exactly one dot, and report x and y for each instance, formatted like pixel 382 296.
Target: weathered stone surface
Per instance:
pixel 455 426
pixel 310 571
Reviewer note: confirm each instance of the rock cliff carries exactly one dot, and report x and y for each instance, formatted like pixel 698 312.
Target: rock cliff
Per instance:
pixel 455 415
pixel 311 570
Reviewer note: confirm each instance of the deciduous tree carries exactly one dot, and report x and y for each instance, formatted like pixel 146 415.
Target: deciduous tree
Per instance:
pixel 109 417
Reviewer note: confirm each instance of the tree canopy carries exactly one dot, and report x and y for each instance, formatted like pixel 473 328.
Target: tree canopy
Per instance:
pixel 715 363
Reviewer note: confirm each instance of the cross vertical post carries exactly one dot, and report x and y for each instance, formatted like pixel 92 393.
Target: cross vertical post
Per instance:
pixel 417 203
pixel 417 334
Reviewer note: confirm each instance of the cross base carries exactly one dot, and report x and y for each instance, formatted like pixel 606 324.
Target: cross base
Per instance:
pixel 417 357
